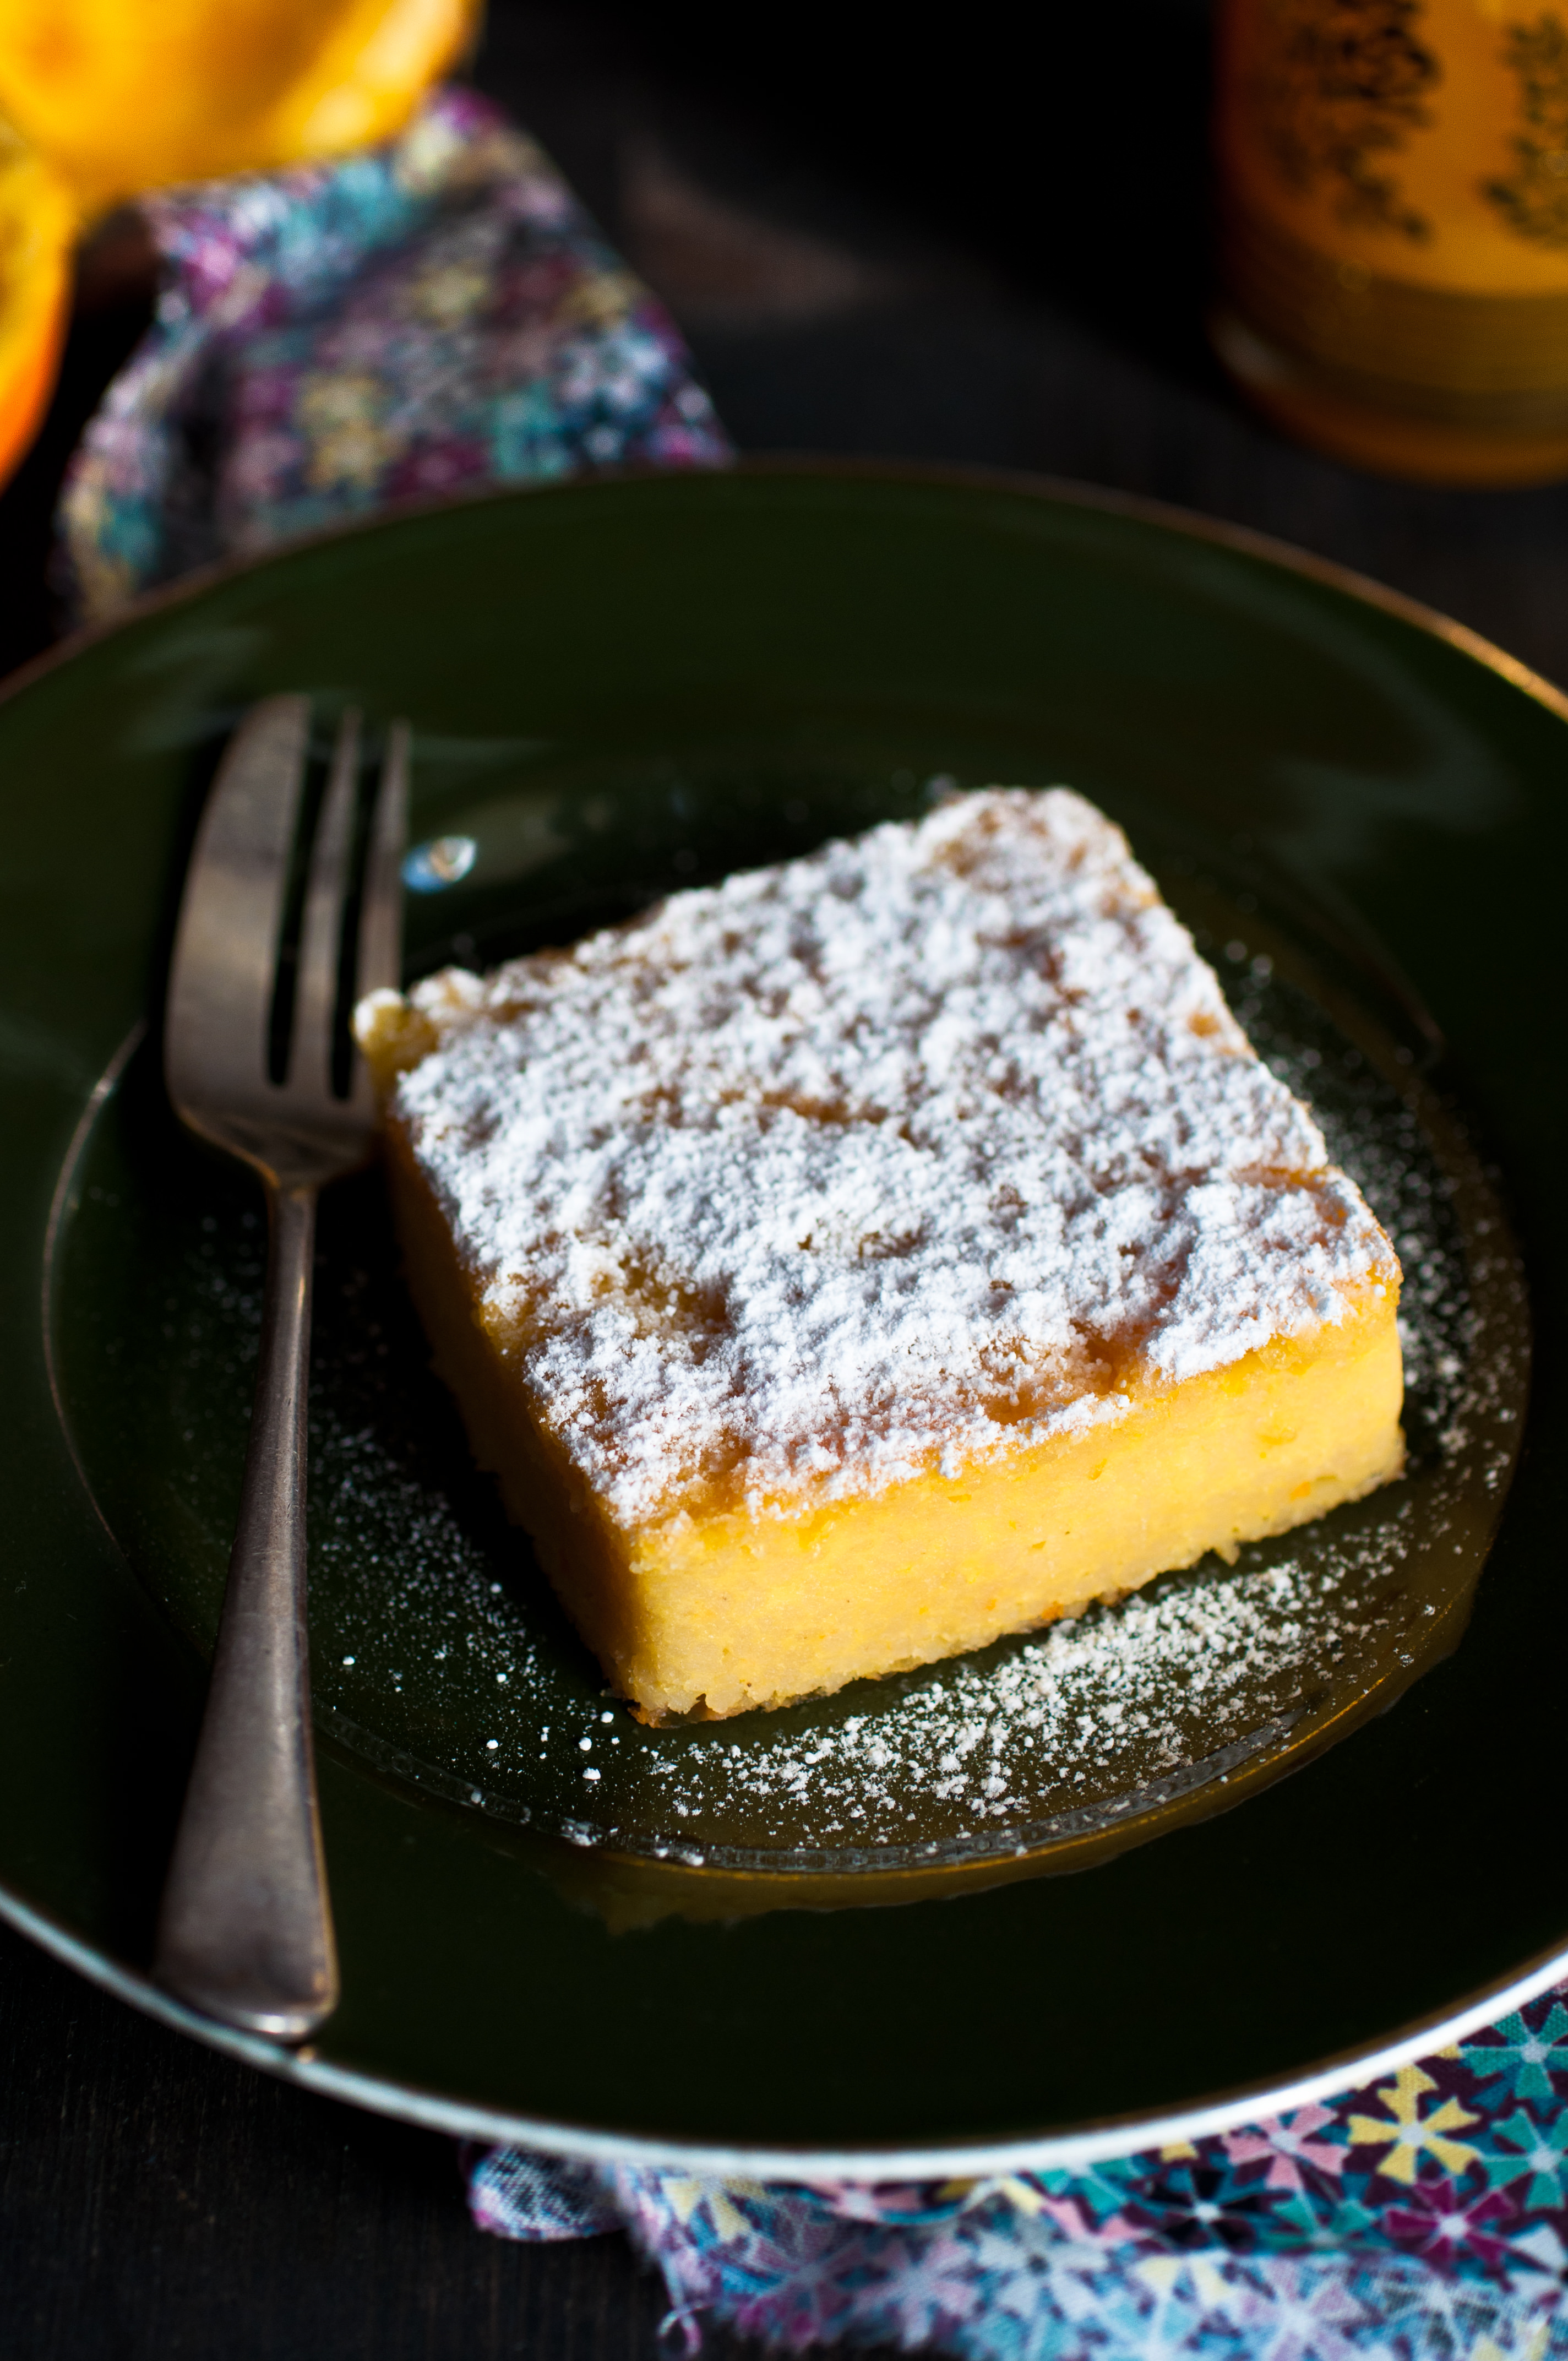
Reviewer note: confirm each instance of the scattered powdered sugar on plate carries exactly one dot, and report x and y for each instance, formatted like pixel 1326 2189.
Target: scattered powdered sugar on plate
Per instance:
pixel 439 1651
pixel 1094 1711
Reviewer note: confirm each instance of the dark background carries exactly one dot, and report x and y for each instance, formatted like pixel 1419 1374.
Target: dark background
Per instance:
pixel 975 236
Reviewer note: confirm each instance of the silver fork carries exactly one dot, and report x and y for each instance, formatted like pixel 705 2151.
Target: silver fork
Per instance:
pixel 244 1933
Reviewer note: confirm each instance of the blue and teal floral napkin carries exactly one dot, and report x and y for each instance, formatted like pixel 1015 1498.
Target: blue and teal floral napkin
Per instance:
pixel 1422 2219
pixel 418 319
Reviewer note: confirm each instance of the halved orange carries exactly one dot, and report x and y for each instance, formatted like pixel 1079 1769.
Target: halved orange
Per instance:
pixel 124 98
pixel 38 222
pixel 107 99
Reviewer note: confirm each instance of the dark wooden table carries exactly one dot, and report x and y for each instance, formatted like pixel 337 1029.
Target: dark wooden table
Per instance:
pixel 988 250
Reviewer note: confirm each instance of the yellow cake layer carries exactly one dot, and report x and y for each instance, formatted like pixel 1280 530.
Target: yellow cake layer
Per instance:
pixel 714 1614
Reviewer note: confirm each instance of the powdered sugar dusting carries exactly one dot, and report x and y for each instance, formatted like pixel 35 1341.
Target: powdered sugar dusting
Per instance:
pixel 915 1150
pixel 1074 1726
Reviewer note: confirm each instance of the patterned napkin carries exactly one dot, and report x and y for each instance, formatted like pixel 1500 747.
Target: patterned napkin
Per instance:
pixel 1422 2219
pixel 433 315
pixel 422 318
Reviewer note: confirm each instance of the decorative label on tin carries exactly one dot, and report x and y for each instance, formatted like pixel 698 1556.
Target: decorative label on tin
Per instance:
pixel 1394 185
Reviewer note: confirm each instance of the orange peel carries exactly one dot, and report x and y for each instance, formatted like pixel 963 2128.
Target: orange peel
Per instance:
pixel 39 221
pixel 120 99
pixel 102 101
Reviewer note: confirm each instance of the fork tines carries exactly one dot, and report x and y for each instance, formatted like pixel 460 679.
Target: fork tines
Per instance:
pixel 347 865
pixel 292 911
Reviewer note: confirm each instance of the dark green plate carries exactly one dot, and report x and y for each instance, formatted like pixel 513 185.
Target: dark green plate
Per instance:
pixel 836 1935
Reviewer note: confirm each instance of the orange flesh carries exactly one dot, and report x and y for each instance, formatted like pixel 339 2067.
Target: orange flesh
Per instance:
pixel 714 1614
pixel 121 98
pixel 38 225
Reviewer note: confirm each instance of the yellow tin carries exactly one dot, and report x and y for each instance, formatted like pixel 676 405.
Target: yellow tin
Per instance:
pixel 1394 230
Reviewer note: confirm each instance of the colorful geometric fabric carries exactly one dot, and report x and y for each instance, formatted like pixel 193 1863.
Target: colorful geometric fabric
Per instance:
pixel 421 318
pixel 1423 2218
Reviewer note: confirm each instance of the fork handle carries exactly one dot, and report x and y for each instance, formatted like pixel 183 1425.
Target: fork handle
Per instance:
pixel 244 1933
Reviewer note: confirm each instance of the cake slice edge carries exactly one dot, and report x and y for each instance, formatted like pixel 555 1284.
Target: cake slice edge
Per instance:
pixel 705 1617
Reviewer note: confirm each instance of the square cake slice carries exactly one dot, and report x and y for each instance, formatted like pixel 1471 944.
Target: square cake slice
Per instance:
pixel 848 1264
